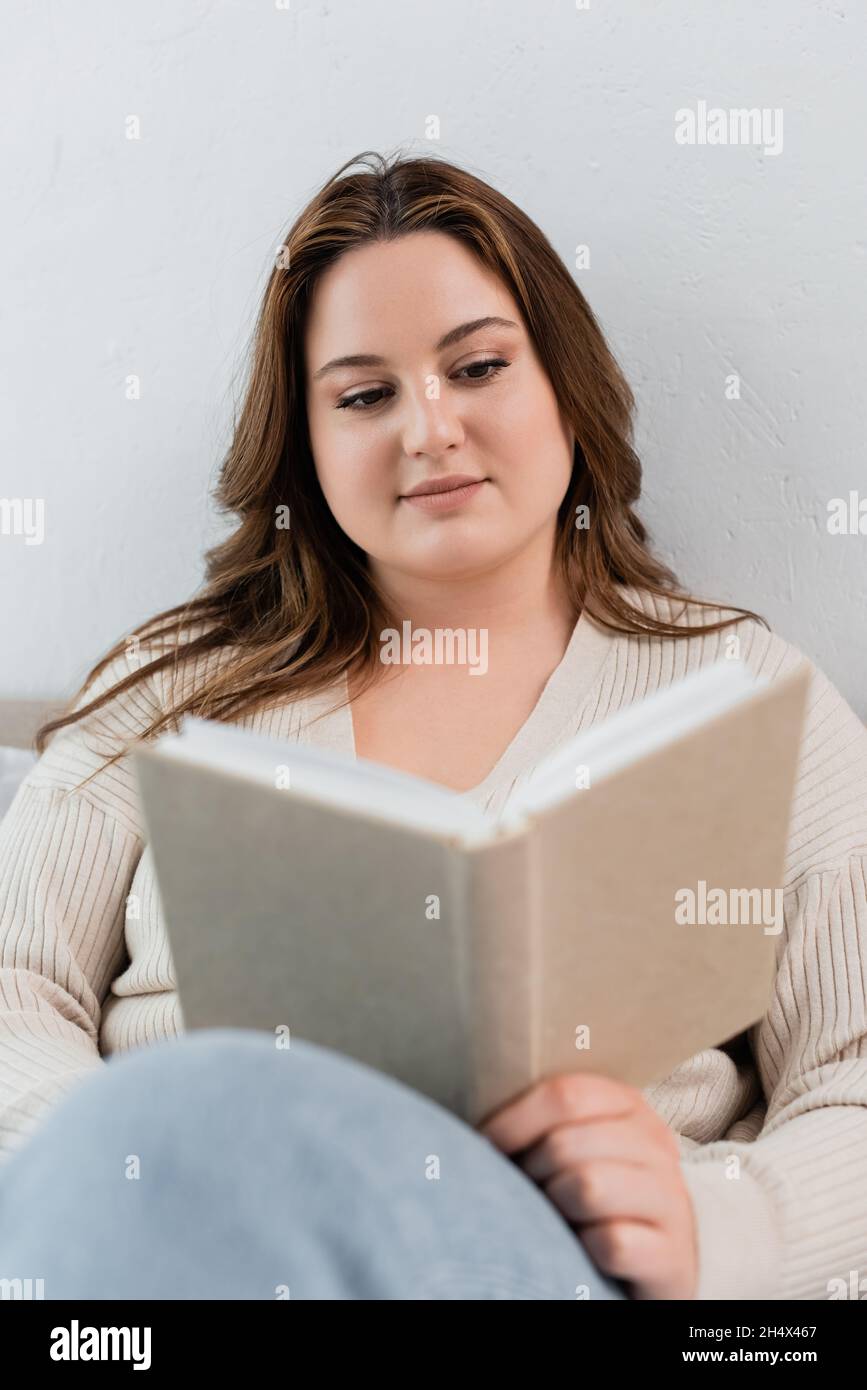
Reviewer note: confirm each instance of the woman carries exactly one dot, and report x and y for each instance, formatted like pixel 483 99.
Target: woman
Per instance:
pixel 435 432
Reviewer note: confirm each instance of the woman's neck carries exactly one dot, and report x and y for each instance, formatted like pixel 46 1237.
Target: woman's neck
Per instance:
pixel 526 595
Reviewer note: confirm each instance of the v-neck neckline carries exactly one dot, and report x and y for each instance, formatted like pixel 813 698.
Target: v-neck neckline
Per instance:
pixel 552 717
pixel 555 709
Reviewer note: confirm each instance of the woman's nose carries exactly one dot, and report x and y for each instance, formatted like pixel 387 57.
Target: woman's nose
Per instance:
pixel 430 424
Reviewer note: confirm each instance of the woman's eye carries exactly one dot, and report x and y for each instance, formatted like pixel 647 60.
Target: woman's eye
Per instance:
pixel 496 362
pixel 361 401
pixel 351 402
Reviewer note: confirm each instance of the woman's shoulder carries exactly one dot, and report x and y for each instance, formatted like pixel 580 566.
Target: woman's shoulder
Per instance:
pixel 141 690
pixel 91 755
pixel 766 653
pixel 829 811
pixel 735 634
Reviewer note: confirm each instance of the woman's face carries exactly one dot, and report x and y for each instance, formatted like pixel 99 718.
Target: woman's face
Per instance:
pixel 428 397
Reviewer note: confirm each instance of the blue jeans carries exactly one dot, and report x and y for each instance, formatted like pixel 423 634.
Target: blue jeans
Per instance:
pixel 218 1166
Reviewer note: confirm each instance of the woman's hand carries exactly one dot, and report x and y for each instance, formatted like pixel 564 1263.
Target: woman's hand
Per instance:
pixel 612 1167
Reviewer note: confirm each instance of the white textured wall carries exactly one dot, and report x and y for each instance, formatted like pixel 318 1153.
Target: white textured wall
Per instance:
pixel 148 257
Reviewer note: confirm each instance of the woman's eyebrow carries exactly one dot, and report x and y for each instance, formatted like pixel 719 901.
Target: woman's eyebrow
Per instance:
pixel 454 335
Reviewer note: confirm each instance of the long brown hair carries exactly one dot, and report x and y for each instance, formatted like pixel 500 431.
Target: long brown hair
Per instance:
pixel 298 604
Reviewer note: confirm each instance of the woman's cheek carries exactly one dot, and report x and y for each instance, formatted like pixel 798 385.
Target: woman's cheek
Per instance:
pixel 359 502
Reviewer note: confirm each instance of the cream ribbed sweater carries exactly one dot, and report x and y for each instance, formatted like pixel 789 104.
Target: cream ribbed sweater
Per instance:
pixel 85 967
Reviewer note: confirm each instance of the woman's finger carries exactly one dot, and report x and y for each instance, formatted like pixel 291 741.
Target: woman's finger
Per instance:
pixel 624 1138
pixel 554 1101
pixel 637 1253
pixel 602 1189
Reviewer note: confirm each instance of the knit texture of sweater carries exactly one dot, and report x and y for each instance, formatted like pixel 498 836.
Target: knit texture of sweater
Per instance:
pixel 773 1132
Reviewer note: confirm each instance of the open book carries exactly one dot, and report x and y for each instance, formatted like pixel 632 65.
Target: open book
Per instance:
pixel 622 913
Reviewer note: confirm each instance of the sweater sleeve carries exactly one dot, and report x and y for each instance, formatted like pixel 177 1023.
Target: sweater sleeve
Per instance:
pixel 785 1215
pixel 67 856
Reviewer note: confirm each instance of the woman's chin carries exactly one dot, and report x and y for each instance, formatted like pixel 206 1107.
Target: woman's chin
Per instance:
pixel 455 562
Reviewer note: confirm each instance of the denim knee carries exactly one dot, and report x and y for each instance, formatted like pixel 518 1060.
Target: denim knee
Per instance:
pixel 233 1166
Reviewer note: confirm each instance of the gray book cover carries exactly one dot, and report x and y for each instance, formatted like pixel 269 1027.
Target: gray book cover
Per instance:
pixel 619 930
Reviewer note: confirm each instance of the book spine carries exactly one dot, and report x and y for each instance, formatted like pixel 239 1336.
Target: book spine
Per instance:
pixel 500 932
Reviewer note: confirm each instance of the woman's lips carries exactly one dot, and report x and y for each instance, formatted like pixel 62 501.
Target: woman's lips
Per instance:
pixel 444 501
